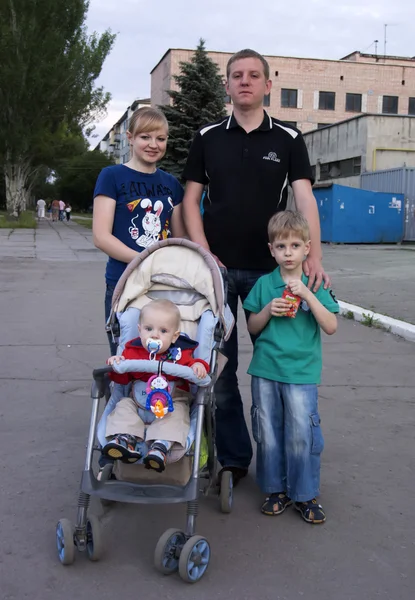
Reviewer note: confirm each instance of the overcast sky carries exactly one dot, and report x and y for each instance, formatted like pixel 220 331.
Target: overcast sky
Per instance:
pixel 306 28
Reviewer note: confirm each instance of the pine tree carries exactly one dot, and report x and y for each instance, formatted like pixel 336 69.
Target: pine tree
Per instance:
pixel 199 100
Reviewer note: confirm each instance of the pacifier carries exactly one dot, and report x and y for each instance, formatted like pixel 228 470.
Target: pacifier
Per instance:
pixel 153 346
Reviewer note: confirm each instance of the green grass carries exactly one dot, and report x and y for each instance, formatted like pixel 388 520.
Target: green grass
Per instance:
pixel 84 222
pixel 27 220
pixel 348 315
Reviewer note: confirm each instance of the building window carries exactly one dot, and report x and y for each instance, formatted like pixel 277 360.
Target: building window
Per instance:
pixel 291 123
pixel 390 105
pixel 289 98
pixel 267 99
pixel 411 106
pixel 341 168
pixel 320 125
pixel 327 100
pixel 354 103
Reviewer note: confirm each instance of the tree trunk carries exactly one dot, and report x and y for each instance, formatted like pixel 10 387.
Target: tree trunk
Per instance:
pixel 17 193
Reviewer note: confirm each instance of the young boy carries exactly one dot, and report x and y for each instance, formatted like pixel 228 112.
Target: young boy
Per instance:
pixel 285 368
pixel 130 422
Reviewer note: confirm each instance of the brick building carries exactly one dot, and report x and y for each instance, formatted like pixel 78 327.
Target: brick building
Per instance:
pixel 311 93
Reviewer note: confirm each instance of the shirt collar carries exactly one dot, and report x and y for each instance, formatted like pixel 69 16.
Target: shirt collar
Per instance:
pixel 278 282
pixel 266 124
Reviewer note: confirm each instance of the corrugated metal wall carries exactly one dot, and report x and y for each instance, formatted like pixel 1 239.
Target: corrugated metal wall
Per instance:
pixel 396 181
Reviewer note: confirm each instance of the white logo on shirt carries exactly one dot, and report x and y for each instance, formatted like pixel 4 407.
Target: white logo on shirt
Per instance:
pixel 272 156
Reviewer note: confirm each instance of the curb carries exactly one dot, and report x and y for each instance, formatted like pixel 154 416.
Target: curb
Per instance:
pixel 400 328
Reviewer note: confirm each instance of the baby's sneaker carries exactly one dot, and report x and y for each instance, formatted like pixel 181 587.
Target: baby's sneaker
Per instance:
pixel 156 458
pixel 123 447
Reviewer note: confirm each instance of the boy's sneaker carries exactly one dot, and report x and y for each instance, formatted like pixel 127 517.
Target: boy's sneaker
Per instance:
pixel 156 458
pixel 311 511
pixel 123 447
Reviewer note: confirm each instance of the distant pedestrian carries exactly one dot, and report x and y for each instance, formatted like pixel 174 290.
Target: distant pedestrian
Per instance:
pixel 55 210
pixel 41 208
pixel 68 210
pixel 61 210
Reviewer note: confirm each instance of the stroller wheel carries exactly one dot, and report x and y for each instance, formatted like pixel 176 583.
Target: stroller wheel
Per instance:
pixel 64 541
pixel 168 549
pixel 194 559
pixel 105 475
pixel 94 540
pixel 226 492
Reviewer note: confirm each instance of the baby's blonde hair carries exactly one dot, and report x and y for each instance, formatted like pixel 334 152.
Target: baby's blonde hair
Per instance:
pixel 166 306
pixel 288 222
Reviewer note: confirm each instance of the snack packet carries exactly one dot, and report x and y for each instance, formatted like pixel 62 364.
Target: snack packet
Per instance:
pixel 295 303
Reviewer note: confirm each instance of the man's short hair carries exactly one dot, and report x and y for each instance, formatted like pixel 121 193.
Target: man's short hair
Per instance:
pixel 247 53
pixel 166 306
pixel 288 222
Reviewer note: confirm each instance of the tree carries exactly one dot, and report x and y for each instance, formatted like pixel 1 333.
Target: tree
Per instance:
pixel 48 68
pixel 200 99
pixel 76 177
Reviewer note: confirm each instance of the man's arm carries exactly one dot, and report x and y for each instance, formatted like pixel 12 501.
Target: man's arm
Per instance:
pixel 191 213
pixel 307 205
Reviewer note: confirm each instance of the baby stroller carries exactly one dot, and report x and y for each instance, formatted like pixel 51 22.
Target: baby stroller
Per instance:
pixel 186 274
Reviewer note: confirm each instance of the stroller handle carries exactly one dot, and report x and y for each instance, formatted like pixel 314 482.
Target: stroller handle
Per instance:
pixel 152 366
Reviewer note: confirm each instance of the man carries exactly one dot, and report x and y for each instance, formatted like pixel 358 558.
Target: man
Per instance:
pixel 246 161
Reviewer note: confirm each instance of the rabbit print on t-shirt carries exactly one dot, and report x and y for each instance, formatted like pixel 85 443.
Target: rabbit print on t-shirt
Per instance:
pixel 150 224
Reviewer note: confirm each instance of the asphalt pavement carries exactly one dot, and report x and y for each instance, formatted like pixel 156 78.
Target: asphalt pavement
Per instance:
pixel 52 336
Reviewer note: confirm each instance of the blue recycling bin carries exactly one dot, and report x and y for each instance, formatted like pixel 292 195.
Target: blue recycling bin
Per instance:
pixel 354 216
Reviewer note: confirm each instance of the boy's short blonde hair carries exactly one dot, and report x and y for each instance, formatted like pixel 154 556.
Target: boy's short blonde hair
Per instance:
pixel 146 119
pixel 288 222
pixel 166 306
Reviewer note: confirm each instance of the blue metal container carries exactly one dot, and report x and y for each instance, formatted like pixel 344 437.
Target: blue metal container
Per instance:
pixel 353 216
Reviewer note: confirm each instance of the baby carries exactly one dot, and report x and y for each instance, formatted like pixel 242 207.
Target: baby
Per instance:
pixel 132 422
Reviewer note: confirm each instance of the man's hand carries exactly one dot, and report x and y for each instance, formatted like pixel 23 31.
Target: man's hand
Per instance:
pixel 313 269
pixel 115 359
pixel 279 307
pixel 220 263
pixel 199 370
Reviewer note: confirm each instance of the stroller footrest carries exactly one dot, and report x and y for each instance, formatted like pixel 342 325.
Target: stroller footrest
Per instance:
pixel 138 493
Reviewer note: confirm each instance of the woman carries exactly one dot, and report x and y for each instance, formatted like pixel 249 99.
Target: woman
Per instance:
pixel 136 204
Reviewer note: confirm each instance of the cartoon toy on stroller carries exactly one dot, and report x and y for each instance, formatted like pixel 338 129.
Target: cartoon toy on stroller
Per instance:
pixel 186 274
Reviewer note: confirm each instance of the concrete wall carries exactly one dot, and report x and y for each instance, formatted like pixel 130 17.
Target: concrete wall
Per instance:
pixel 345 140
pixel 385 137
pixel 382 142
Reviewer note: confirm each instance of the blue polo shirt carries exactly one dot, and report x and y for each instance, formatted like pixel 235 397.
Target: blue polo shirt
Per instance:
pixel 287 349
pixel 144 203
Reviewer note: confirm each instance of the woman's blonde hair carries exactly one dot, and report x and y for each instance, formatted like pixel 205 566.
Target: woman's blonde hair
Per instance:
pixel 147 119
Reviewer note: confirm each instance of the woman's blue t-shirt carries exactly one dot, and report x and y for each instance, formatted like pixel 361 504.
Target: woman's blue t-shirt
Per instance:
pixel 144 205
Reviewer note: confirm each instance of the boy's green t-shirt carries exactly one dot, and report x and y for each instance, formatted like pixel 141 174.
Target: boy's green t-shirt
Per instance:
pixel 287 349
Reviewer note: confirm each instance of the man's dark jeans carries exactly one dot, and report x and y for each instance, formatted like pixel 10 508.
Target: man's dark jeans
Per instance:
pixel 232 437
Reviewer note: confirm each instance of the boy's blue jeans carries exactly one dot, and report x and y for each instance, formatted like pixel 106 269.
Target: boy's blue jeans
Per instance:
pixel 286 428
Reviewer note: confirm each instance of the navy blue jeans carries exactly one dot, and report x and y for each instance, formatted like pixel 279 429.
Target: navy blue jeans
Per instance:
pixel 232 437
